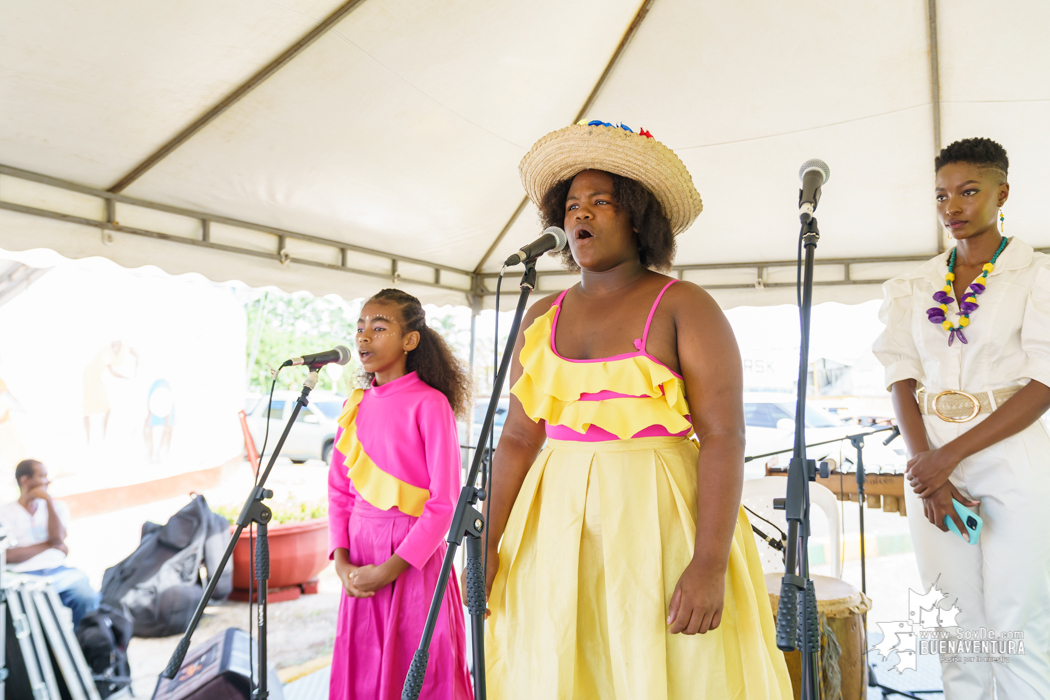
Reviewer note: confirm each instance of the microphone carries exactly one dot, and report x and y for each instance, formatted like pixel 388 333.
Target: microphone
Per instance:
pixel 813 173
pixel 340 355
pixel 552 238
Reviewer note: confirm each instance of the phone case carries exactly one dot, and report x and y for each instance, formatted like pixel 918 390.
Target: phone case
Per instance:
pixel 972 521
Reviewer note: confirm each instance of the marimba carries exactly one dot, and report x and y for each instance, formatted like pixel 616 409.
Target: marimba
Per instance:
pixel 881 490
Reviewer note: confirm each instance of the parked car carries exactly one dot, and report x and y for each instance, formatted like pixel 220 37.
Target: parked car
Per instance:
pixel 313 434
pixel 480 407
pixel 769 422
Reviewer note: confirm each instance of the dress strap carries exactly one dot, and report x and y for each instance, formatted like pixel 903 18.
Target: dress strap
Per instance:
pixel 652 312
pixel 557 302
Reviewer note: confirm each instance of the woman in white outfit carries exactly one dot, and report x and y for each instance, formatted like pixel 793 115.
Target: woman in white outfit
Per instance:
pixel 967 356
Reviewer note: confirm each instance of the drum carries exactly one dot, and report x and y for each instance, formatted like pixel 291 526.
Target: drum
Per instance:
pixel 843 606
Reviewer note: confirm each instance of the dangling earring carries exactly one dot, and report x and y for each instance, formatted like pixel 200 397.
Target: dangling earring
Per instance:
pixel 1002 222
pixel 406 352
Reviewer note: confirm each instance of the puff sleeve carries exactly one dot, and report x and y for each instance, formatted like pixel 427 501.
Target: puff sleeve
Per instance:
pixel 1035 328
pixel 895 347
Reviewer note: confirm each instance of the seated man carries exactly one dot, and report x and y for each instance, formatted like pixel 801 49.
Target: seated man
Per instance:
pixel 38 526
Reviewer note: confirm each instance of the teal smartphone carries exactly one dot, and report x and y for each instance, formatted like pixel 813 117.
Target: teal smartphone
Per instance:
pixel 971 520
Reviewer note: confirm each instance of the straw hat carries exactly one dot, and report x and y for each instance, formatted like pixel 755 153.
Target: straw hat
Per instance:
pixel 597 145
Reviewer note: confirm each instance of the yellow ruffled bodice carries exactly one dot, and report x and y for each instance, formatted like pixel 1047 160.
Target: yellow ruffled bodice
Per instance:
pixel 550 388
pixel 382 490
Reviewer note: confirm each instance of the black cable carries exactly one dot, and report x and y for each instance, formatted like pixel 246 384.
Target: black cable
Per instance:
pixel 798 276
pixel 775 544
pixel 486 464
pixel 771 524
pixel 251 537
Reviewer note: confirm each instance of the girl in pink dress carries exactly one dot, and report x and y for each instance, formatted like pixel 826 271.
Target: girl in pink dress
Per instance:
pixel 392 486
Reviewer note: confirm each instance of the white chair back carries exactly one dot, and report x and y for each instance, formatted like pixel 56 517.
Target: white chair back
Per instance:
pixel 758 496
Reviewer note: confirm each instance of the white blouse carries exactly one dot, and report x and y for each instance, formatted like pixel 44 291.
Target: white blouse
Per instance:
pixel 1009 334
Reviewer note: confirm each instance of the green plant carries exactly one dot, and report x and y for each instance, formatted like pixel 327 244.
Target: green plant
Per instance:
pixel 287 511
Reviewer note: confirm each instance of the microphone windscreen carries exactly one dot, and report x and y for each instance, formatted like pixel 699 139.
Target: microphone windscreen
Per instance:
pixel 559 236
pixel 344 354
pixel 814 164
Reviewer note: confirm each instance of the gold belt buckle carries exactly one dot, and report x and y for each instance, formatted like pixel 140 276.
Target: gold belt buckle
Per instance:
pixel 973 399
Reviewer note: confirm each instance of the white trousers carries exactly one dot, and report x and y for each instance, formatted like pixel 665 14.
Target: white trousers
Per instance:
pixel 1003 582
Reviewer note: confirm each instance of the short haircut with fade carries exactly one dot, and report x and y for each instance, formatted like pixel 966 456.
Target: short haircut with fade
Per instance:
pixel 984 153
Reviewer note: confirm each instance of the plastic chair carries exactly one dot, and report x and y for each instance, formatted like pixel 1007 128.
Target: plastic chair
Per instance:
pixel 758 495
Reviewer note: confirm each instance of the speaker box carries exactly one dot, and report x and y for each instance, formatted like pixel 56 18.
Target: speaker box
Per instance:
pixel 218 669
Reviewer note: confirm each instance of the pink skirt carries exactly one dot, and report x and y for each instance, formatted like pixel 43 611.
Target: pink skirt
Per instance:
pixel 376 637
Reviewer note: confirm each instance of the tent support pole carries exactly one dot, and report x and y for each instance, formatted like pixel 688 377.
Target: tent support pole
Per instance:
pixel 632 29
pixel 234 97
pixel 935 94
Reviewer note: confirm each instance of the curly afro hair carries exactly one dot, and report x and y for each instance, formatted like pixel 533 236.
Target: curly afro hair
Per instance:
pixel 981 152
pixel 656 243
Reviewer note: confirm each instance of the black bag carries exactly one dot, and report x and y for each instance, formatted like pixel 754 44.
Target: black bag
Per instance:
pixel 103 636
pixel 162 581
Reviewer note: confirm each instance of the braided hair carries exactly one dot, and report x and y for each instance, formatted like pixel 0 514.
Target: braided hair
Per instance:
pixel 432 360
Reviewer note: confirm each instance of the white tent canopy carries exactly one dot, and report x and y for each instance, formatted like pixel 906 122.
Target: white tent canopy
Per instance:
pixel 337 147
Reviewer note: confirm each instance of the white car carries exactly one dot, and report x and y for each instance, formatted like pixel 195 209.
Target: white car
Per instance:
pixel 313 434
pixel 480 407
pixel 769 421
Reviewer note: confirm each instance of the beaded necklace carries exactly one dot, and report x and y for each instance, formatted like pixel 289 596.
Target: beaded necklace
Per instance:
pixel 968 304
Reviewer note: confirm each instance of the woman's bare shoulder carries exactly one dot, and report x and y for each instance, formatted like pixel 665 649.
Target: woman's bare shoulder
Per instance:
pixel 539 308
pixel 688 300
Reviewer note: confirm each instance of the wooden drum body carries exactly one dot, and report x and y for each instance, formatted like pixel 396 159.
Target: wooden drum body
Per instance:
pixel 844 607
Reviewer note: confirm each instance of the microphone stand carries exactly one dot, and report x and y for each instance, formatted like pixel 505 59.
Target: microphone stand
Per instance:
pixel 796 587
pixel 468 522
pixel 254 511
pixel 858 443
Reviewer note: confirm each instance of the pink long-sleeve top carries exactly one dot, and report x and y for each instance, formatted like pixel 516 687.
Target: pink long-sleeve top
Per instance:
pixel 403 453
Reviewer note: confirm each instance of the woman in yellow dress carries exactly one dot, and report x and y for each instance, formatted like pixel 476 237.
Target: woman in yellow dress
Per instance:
pixel 621 564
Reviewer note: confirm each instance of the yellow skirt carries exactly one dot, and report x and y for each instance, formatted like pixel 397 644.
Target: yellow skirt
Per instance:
pixel 593 549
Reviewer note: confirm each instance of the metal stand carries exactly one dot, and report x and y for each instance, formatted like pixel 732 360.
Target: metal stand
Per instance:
pixel 254 511
pixel 796 588
pixel 470 523
pixel 858 444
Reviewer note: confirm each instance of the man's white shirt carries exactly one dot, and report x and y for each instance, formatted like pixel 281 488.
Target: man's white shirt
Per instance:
pixel 31 528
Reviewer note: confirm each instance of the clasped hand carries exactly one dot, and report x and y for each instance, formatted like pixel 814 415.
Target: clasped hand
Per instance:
pixel 929 471
pixel 364 581
pixel 697 601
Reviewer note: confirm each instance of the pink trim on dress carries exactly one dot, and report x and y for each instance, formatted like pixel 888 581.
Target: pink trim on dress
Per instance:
pixel 643 340
pixel 597 433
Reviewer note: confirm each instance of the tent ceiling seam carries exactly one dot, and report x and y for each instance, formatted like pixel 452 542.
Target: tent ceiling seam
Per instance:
pixel 231 99
pixel 632 29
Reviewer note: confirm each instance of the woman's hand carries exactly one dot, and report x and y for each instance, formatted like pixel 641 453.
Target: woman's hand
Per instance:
pixel 696 604
pixel 939 504
pixel 370 579
pixel 929 471
pixel 345 571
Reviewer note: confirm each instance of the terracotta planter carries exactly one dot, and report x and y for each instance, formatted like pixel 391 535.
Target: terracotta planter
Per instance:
pixel 298 552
